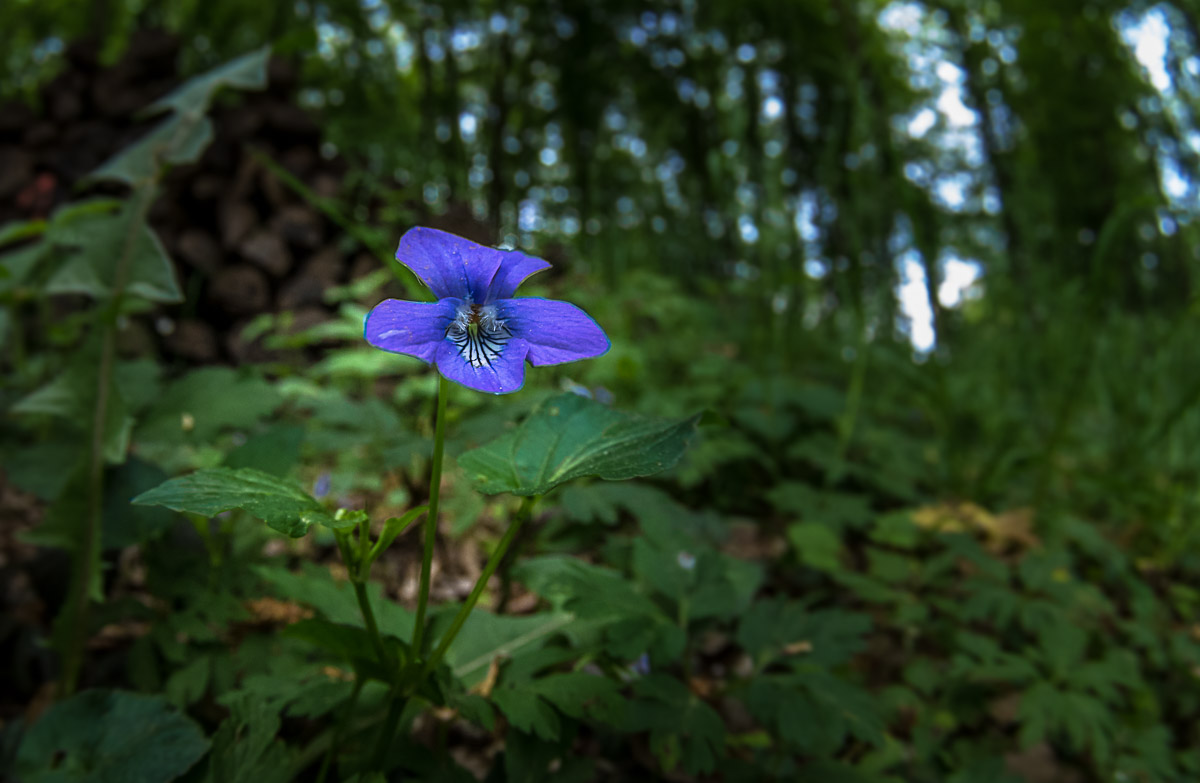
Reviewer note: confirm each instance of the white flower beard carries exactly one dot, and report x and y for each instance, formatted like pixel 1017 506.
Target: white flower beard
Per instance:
pixel 480 346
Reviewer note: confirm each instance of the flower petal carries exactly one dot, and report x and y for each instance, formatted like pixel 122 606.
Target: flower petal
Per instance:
pixel 556 331
pixel 449 264
pixel 515 267
pixel 414 328
pixel 501 375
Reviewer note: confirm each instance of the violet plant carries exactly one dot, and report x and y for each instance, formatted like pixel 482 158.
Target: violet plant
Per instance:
pixel 478 335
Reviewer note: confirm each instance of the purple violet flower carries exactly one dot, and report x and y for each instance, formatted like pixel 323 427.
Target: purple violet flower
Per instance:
pixel 476 333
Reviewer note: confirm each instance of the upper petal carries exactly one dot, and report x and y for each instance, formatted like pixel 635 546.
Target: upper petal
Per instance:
pixel 449 264
pixel 414 328
pixel 515 267
pixel 502 374
pixel 556 331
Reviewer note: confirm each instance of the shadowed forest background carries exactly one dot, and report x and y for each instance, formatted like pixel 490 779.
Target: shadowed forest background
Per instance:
pixel 927 267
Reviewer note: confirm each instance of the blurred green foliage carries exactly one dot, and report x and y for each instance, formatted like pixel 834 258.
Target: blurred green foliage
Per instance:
pixel 949 541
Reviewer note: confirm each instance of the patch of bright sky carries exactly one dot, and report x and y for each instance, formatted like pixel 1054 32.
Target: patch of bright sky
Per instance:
pixel 913 293
pixel 402 45
pixel 467 125
pixel 957 136
pixel 1147 35
pixel 958 281
pixel 921 40
pixel 331 38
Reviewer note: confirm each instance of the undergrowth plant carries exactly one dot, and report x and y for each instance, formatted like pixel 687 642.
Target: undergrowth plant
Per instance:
pixel 104 250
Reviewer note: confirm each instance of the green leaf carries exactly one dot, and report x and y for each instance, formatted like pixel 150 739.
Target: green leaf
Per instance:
pixel 817 546
pixel 274 451
pixel 187 685
pixel 682 727
pixel 602 502
pixel 125 525
pixel 15 266
pixel 110 737
pixel 813 711
pixel 100 241
pixel 72 397
pixel 248 72
pixel 1063 646
pixel 834 509
pixel 276 501
pixel 42 468
pixel 486 636
pixel 604 601
pixel 349 643
pixel 335 601
pixel 65 525
pixel 342 641
pixel 195 409
pixel 18 230
pixel 528 712
pixel 576 694
pixel 177 140
pixel 182 137
pixel 290 685
pixel 568 437
pixel 362 363
pixel 825 637
pixel 245 748
pixel 530 759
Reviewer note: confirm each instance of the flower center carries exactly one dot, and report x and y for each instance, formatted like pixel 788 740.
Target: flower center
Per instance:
pixel 478 333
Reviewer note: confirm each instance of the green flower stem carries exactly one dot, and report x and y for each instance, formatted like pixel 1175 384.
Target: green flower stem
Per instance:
pixel 358 579
pixel 435 491
pixel 464 612
pixel 364 605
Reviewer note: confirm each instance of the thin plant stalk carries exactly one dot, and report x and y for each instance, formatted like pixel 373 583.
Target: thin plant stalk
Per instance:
pixel 87 564
pixel 464 611
pixel 396 701
pixel 364 605
pixel 854 395
pixel 352 555
pixel 435 491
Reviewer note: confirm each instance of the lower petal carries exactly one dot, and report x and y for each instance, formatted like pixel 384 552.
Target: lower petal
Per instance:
pixel 501 373
pixel 556 331
pixel 415 328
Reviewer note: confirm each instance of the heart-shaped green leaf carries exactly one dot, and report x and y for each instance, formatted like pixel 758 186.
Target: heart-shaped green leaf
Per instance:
pixel 570 436
pixel 276 501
